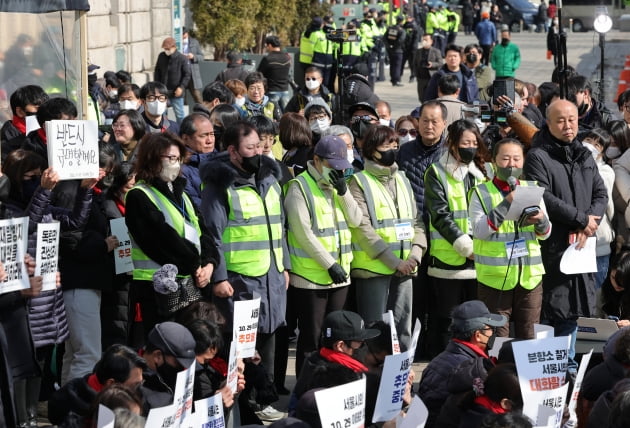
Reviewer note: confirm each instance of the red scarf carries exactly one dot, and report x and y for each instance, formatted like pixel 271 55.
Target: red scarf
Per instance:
pixel 475 348
pixel 487 403
pixel 342 359
pixel 94 383
pixel 20 124
pixel 120 205
pixel 42 134
pixel 219 365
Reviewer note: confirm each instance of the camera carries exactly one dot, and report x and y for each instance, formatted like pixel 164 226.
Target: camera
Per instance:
pixel 341 36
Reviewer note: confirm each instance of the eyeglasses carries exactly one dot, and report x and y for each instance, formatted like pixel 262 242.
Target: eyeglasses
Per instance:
pixel 403 132
pixel 318 117
pixel 311 79
pixel 365 118
pixel 151 98
pixel 120 125
pixel 172 159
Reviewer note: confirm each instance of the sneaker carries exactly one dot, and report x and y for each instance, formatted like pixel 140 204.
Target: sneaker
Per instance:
pixel 270 414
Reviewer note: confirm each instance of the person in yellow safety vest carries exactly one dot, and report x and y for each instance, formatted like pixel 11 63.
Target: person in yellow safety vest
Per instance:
pixel 441 29
pixel 453 19
pixel 320 211
pixel 308 40
pixel 351 52
pixel 446 185
pixel 507 252
pixel 165 228
pixel 323 57
pixel 433 28
pixel 367 31
pixel 389 244
pixel 242 205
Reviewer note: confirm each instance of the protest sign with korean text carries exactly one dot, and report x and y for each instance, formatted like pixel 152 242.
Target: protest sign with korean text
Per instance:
pixel 209 412
pixel 232 374
pixel 246 326
pixel 122 253
pixel 177 414
pixel 47 254
pixel 106 417
pixel 388 318
pixel 342 406
pixel 73 148
pixel 13 245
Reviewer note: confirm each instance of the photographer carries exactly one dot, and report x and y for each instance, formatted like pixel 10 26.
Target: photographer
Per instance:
pixel 507 253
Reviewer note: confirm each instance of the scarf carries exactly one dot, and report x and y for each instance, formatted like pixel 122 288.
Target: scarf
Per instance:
pixel 487 403
pixel 342 359
pixel 42 134
pixel 20 124
pixel 219 365
pixel 93 383
pixel 120 205
pixel 475 348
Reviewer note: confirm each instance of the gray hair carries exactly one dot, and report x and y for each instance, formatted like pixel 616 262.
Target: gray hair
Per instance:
pixel 339 130
pixel 125 418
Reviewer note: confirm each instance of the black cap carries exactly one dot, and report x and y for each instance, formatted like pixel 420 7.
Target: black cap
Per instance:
pixel 474 315
pixel 346 325
pixel 363 106
pixel 174 339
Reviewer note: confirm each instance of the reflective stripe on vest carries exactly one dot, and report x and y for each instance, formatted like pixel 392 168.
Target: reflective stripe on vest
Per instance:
pixel 491 254
pixel 307 44
pixel 384 213
pixel 455 194
pixel 329 227
pixel 254 230
pixel 143 266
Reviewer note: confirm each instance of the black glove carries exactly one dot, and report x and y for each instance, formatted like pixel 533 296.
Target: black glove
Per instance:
pixel 338 275
pixel 338 181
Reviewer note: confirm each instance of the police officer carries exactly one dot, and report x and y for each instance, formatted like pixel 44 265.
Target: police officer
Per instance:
pixel 395 41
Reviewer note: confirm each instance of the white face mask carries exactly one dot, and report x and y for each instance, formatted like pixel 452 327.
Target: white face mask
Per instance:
pixel 169 171
pixel 156 108
pixel 592 149
pixel 613 152
pixel 239 101
pixel 383 122
pixel 350 155
pixel 312 84
pixel 113 93
pixel 320 125
pixel 405 139
pixel 128 105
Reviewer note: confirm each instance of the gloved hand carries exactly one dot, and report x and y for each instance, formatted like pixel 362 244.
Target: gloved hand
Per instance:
pixel 338 181
pixel 337 273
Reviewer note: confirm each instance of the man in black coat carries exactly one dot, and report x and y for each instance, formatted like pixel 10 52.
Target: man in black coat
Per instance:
pixel 173 70
pixel 575 197
pixel 395 42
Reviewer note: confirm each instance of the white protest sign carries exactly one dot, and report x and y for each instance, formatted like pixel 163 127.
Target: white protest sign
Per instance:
pixel 542 331
pixel 546 417
pixel 246 326
pixel 122 253
pixel 342 406
pixel 498 344
pixel 106 417
pixel 31 124
pixel 174 415
pixel 47 255
pixel 416 417
pixel 536 405
pixel 13 245
pixel 541 366
pixel 388 318
pixel 394 377
pixel 232 374
pixel 209 412
pixel 586 358
pixel 73 148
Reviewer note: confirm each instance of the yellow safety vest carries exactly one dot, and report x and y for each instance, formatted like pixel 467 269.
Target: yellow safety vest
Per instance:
pixel 254 230
pixel 491 254
pixel 330 228
pixel 143 266
pixel 385 214
pixel 457 199
pixel 307 45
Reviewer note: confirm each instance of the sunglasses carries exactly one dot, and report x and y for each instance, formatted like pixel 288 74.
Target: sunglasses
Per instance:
pixel 403 132
pixel 365 118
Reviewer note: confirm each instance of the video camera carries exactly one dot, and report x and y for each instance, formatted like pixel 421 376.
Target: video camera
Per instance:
pixel 341 36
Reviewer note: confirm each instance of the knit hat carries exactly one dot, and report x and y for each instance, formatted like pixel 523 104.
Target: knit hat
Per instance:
pixel 317 101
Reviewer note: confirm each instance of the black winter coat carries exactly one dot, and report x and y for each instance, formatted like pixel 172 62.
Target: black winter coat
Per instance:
pixel 602 377
pixel 173 71
pixel 468 92
pixel 75 396
pixel 414 158
pixel 573 191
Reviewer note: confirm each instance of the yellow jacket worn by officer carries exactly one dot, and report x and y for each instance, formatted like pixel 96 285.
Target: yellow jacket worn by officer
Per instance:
pixel 320 213
pixel 308 40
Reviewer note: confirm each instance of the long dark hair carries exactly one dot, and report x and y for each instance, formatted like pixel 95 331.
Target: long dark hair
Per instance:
pixel 456 131
pixel 617 303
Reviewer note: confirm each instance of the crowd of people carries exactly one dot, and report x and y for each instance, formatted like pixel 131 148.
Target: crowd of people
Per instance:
pixel 333 212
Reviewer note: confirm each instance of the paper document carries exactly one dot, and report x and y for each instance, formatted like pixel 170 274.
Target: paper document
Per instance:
pixel 524 197
pixel 579 261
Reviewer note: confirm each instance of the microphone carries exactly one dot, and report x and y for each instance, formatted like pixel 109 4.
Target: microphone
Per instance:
pixel 512 182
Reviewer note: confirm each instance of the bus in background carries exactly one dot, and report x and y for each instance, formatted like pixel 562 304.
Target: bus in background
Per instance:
pixel 582 12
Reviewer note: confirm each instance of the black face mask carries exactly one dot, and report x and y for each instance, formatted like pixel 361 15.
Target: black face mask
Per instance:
pixel 490 343
pixel 251 164
pixel 168 374
pixel 505 42
pixel 360 128
pixel 92 79
pixel 28 188
pixel 583 108
pixel 471 58
pixel 388 157
pixel 467 154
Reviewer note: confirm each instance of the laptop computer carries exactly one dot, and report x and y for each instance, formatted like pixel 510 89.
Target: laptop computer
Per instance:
pixel 595 329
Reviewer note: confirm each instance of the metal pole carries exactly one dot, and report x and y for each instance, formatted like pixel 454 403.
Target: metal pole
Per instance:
pixel 602 43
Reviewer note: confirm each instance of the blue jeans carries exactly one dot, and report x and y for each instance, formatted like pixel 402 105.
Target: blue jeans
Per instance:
pixel 602 270
pixel 178 108
pixel 567 328
pixel 279 98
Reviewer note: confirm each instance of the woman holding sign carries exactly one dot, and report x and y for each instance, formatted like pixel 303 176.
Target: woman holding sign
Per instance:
pixel 391 238
pixel 507 253
pixel 165 229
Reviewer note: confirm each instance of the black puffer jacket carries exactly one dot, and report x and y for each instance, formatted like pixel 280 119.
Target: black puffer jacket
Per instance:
pixel 414 158
pixel 174 71
pixel 75 396
pixel 573 191
pixel 433 387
